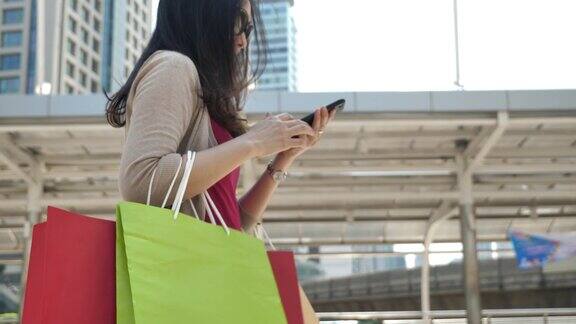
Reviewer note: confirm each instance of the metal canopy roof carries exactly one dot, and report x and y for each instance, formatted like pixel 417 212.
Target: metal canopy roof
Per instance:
pixel 382 169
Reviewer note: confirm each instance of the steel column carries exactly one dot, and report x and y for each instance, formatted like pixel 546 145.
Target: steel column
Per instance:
pixel 468 232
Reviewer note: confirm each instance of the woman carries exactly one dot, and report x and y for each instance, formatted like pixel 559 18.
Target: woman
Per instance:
pixel 186 93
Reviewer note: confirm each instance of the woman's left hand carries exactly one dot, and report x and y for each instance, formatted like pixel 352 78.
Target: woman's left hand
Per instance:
pixel 321 119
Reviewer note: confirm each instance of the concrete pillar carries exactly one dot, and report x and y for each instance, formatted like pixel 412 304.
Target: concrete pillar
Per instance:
pixel 468 233
pixel 425 277
pixel 34 210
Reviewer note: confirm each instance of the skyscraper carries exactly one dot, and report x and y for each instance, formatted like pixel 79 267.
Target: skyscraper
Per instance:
pixel 69 46
pixel 280 73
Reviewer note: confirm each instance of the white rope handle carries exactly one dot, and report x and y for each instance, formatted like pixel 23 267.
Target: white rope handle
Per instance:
pixel 190 158
pixel 172 184
pixel 150 187
pixel 206 199
pixel 220 218
pixel 261 234
pixel 194 209
pixel 208 210
pixel 169 189
pixel 205 196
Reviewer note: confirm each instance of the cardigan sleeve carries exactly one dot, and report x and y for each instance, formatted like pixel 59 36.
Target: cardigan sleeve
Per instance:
pixel 164 97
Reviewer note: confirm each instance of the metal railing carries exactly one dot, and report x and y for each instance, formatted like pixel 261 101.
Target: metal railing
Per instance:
pixel 500 274
pixel 546 315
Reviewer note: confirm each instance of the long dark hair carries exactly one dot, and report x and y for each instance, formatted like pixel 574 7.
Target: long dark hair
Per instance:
pixel 203 30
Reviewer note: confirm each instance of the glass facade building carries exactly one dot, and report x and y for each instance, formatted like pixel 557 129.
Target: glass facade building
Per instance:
pixel 281 70
pixel 70 46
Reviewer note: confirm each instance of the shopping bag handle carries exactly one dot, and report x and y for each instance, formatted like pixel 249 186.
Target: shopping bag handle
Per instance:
pixel 262 235
pixel 208 202
pixel 169 188
pixel 205 196
pixel 190 158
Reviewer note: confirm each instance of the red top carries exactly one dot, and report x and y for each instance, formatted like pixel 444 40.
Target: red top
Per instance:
pixel 223 192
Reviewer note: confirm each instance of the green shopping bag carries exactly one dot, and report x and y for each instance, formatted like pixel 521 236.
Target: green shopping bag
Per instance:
pixel 172 269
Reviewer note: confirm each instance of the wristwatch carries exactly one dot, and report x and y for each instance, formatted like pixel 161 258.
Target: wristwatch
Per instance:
pixel 277 175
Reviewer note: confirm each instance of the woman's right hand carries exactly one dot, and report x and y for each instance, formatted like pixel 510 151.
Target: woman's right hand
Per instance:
pixel 274 134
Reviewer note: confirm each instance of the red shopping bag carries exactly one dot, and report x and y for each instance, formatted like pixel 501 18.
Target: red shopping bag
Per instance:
pixel 35 283
pixel 71 273
pixel 284 269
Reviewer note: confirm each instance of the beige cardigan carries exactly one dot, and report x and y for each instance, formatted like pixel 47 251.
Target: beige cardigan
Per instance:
pixel 165 117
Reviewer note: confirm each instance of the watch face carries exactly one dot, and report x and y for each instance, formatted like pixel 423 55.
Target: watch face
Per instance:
pixel 279 176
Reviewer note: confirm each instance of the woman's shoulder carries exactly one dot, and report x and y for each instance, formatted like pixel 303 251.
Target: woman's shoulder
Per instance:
pixel 170 62
pixel 166 76
pixel 170 57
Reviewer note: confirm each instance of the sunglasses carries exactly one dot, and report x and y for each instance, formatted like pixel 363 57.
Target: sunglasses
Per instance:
pixel 243 24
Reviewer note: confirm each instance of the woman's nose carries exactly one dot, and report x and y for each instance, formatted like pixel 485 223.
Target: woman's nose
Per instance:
pixel 241 41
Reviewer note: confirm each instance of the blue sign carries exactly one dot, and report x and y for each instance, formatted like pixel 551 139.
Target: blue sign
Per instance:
pixel 533 250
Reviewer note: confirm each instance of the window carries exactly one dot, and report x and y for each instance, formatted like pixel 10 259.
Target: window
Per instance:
pixel 74 4
pixel 83 57
pixel 278 50
pixel 11 38
pixel 275 41
pixel 9 85
pixel 70 69
pixel 83 79
pixel 9 62
pixel 86 15
pixel 95 45
pixel 277 69
pixel 69 89
pixel 95 67
pixel 71 47
pixel 12 16
pixel 72 24
pixel 94 86
pixel 98 5
pixel 96 24
pixel 85 36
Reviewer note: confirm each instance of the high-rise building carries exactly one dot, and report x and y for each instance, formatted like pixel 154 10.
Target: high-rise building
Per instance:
pixel 70 46
pixel 278 21
pixel 15 28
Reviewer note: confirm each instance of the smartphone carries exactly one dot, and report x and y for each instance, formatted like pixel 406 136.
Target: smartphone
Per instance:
pixel 338 105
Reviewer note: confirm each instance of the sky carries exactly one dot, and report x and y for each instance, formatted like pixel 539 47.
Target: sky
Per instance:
pixel 409 45
pixel 396 45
